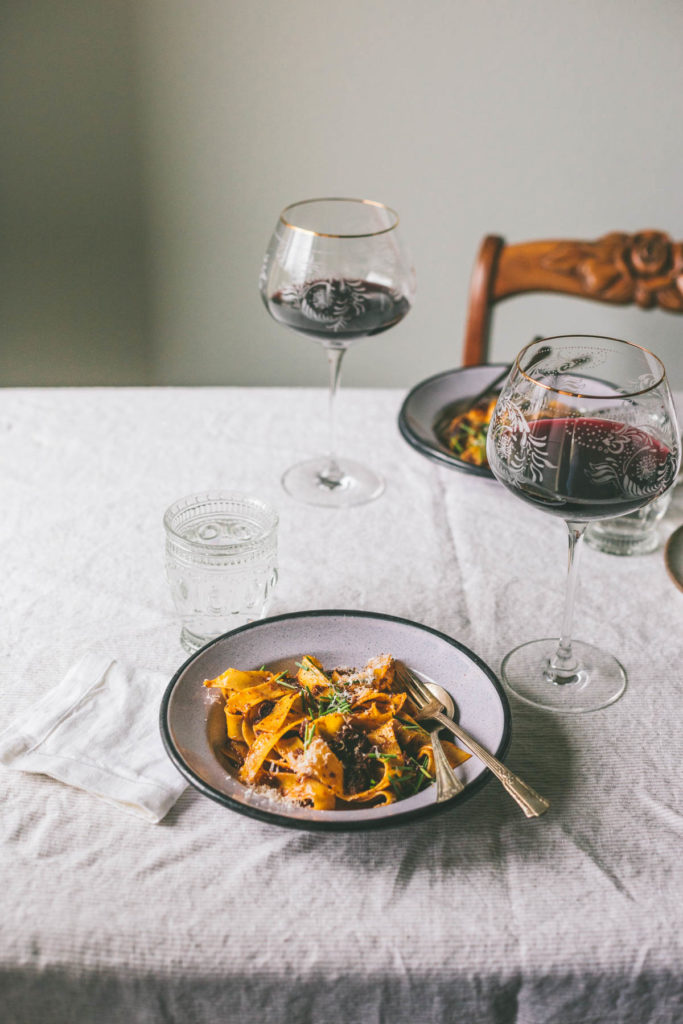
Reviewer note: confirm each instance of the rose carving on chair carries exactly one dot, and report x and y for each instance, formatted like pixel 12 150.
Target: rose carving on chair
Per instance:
pixel 646 268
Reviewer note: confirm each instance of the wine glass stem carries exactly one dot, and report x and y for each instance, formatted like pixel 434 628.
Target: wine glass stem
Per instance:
pixel 563 666
pixel 332 475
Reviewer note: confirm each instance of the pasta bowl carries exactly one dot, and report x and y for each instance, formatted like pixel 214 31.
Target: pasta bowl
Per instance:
pixel 425 404
pixel 193 727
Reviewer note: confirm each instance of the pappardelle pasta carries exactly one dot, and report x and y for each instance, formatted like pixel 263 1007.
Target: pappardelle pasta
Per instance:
pixel 328 740
pixel 465 431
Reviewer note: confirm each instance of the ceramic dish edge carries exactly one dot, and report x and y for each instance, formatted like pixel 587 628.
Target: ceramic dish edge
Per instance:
pixel 433 449
pixel 673 557
pixel 330 824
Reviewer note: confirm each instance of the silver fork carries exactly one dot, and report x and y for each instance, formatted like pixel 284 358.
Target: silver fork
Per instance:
pixel 431 709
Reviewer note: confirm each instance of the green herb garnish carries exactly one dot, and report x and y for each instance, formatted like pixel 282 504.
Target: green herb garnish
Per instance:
pixel 309 732
pixel 409 778
pixel 308 701
pixel 411 726
pixel 336 701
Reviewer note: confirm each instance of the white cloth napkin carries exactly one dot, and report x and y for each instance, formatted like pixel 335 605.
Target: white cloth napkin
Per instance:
pixel 98 730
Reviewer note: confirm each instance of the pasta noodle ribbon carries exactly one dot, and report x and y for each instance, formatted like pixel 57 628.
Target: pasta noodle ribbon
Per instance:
pixel 328 741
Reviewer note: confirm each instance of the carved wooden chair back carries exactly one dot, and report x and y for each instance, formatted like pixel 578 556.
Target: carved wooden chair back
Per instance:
pixel 645 268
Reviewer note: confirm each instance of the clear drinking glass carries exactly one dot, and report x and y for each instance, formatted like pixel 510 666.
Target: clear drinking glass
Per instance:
pixel 634 534
pixel 584 429
pixel 336 270
pixel 221 562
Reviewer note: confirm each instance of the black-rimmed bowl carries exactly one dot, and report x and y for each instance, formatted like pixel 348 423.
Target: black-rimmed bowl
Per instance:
pixel 425 404
pixel 193 723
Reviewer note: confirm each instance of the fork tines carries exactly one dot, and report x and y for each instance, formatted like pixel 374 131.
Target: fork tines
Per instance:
pixel 415 687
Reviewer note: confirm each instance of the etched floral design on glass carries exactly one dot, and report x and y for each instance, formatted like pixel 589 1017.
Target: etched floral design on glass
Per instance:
pixel 336 271
pixel 584 447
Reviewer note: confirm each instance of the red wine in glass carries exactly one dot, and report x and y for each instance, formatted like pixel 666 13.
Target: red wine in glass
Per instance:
pixel 335 271
pixel 594 468
pixel 337 311
pixel 584 429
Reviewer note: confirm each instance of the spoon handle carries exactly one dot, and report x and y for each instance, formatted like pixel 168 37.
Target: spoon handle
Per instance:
pixel 490 388
pixel 528 799
pixel 447 782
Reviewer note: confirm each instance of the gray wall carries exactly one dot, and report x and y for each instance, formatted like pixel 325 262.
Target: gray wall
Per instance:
pixel 73 286
pixel 150 146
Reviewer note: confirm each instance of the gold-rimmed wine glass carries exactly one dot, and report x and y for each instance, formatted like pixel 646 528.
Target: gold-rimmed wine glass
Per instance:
pixel 584 429
pixel 336 270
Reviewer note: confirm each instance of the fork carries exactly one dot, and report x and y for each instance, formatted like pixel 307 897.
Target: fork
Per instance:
pixel 429 708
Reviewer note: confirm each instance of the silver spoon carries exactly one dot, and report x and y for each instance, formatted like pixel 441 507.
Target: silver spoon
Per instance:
pixel 444 697
pixel 491 387
pixel 531 803
pixel 447 782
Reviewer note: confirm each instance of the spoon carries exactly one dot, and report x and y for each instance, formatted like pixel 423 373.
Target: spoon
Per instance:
pixel 447 782
pixel 543 351
pixel 489 389
pixel 444 698
pixel 529 800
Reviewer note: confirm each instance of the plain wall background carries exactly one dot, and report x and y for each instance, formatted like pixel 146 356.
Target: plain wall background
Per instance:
pixel 73 282
pixel 148 147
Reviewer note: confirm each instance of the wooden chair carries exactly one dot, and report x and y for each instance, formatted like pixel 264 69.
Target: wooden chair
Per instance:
pixel 645 268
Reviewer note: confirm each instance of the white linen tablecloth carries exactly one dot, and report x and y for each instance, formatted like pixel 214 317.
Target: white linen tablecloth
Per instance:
pixel 478 914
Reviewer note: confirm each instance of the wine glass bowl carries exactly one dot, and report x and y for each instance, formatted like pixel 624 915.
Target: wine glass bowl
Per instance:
pixel 336 271
pixel 584 429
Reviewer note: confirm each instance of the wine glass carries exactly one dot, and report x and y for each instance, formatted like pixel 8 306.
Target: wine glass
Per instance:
pixel 585 429
pixel 336 270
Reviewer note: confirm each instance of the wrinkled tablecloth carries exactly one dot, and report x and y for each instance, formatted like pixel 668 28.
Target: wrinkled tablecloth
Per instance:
pixel 477 914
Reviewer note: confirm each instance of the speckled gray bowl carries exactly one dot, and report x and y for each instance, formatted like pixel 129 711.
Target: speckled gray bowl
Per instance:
pixel 425 403
pixel 673 555
pixel 193 724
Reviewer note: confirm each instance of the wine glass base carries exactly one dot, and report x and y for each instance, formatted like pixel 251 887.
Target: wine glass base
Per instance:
pixel 599 681
pixel 311 483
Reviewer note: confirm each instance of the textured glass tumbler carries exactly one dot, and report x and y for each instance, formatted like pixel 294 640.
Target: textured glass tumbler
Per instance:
pixel 221 562
pixel 634 534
